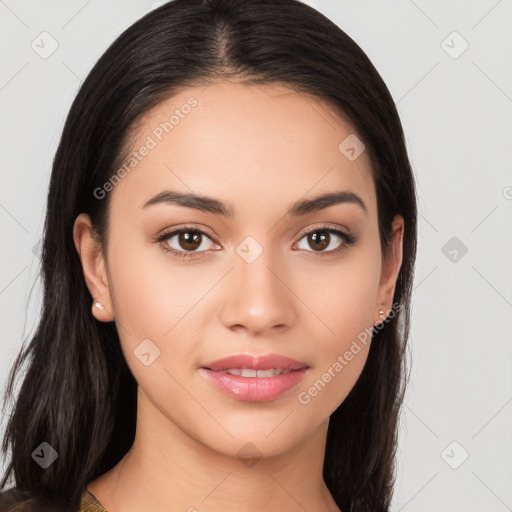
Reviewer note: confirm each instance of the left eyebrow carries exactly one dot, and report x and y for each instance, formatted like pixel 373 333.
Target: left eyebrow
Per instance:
pixel 326 200
pixel 211 205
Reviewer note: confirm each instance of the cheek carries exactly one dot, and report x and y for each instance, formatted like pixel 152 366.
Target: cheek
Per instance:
pixel 344 301
pixel 344 296
pixel 328 387
pixel 339 358
pixel 151 294
pixel 161 301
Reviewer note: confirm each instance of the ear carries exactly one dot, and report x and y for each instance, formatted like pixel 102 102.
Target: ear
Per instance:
pixel 93 265
pixel 391 263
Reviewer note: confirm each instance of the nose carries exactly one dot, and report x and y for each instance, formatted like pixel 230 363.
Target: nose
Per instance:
pixel 258 296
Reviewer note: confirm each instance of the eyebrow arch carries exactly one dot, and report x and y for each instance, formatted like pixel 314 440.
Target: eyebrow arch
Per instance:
pixel 210 205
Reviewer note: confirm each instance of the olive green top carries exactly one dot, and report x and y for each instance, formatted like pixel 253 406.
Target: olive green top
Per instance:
pixel 16 500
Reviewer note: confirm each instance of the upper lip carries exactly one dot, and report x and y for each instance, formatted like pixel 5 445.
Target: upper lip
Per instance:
pixel 264 362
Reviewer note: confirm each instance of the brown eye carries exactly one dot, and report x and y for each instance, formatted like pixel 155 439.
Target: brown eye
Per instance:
pixel 319 240
pixel 323 241
pixel 185 242
pixel 189 240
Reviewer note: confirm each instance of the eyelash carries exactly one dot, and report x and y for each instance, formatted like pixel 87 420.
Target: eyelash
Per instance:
pixel 347 241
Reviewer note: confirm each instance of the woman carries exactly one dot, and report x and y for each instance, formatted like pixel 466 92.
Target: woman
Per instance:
pixel 228 258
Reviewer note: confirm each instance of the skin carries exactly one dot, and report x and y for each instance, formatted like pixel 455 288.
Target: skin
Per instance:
pixel 258 149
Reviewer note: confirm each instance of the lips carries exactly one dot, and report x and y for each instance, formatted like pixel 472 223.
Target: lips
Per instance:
pixel 244 361
pixel 254 379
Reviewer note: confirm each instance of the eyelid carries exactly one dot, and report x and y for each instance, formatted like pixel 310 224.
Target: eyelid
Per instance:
pixel 323 226
pixel 191 227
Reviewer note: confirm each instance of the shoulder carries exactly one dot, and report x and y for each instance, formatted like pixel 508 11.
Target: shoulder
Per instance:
pixel 17 500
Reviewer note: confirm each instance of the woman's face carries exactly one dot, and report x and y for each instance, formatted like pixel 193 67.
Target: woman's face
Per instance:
pixel 244 277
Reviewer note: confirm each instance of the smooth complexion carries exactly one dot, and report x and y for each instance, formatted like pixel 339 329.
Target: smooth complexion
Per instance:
pixel 258 150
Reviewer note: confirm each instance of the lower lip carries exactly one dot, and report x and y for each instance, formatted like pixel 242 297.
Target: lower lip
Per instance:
pixel 254 389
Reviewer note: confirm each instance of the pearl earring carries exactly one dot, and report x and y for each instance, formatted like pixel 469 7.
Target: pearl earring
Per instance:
pixel 99 305
pixel 381 314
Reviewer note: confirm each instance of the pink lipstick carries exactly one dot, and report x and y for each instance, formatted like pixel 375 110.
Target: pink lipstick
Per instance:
pixel 254 378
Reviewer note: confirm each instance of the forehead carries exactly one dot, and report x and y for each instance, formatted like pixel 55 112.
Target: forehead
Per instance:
pixel 259 143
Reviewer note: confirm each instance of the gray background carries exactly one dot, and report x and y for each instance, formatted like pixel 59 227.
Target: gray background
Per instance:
pixel 456 109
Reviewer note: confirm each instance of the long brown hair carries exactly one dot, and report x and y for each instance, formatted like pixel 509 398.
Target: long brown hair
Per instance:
pixel 78 393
